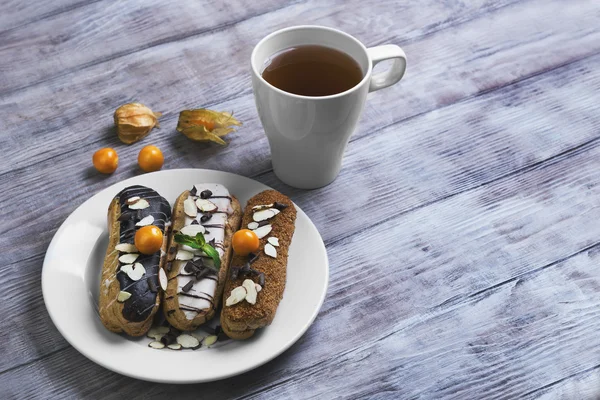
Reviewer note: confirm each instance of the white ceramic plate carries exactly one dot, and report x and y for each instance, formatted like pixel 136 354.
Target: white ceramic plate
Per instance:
pixel 71 275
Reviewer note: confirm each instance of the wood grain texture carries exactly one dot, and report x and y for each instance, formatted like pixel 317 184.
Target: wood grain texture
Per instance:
pixel 479 172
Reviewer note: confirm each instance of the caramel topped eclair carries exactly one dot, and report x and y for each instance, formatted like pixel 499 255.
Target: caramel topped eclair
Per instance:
pixel 256 281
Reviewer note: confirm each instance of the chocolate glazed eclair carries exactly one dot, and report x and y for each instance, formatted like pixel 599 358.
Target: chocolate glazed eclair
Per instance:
pixel 256 282
pixel 194 284
pixel 129 288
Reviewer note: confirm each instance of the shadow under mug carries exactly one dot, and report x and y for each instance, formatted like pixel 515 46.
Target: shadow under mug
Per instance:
pixel 308 135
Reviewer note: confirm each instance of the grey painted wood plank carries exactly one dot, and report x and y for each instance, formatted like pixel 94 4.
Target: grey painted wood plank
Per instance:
pixel 417 305
pixel 581 385
pixel 397 179
pixel 18 14
pixel 185 81
pixel 444 53
pixel 106 31
pixel 503 180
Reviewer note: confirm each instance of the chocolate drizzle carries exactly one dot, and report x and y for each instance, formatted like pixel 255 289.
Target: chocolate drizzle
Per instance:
pixel 144 291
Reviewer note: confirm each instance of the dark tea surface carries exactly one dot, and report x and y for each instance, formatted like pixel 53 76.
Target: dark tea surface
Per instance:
pixel 312 70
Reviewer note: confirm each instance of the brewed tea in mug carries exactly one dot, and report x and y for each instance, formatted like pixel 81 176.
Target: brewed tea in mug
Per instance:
pixel 312 70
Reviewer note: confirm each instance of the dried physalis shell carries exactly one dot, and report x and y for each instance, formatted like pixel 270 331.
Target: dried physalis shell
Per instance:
pixel 204 125
pixel 134 121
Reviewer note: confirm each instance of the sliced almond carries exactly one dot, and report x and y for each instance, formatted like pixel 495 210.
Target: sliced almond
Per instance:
pixel 238 294
pixel 250 291
pixel 132 200
pixel 139 205
pixel 263 231
pixel 273 240
pixel 126 248
pixel 209 340
pixel 270 250
pixel 192 230
pixel 157 332
pixel 258 287
pixel 156 345
pixel 189 208
pixel 263 215
pixel 184 255
pixel 174 346
pixel 253 225
pixel 187 341
pixel 206 205
pixel 129 258
pixel 135 271
pixel 162 278
pixel 148 220
pixel 262 207
pixel 123 296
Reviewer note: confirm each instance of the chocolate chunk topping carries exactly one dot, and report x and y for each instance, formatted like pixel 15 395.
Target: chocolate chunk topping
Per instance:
pixel 234 272
pixel 280 206
pixel 252 257
pixel 169 266
pixel 171 336
pixel 203 273
pixel 205 217
pixel 126 216
pixel 195 222
pixel 173 250
pixel 188 286
pixel 205 194
pixel 261 279
pixel 190 267
pixel 245 268
pixel 193 192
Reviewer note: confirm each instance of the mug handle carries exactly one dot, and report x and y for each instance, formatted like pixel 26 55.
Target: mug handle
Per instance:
pixel 395 73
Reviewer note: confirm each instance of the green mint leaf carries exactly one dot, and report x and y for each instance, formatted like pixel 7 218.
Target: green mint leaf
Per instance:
pixel 199 242
pixel 212 253
pixel 188 240
pixel 200 239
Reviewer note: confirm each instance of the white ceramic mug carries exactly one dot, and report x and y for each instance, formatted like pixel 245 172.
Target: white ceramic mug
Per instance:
pixel 308 135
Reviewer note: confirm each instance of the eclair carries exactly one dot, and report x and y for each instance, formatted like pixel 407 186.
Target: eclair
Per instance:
pixel 256 281
pixel 130 286
pixel 195 281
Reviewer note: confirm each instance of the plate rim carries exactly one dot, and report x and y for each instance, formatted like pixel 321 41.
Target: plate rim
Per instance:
pixel 125 372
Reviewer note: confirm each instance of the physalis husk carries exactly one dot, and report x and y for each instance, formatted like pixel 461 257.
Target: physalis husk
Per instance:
pixel 134 121
pixel 206 125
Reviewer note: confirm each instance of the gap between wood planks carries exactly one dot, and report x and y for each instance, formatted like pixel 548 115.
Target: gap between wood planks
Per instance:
pixel 156 43
pixel 551 384
pixel 201 32
pixel 51 14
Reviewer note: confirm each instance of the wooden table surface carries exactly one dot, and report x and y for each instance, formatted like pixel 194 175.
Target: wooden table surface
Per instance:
pixel 463 232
